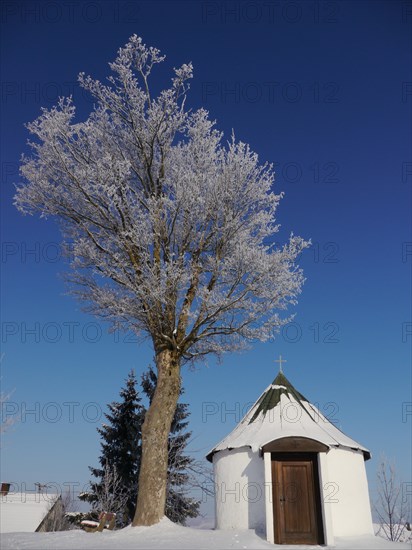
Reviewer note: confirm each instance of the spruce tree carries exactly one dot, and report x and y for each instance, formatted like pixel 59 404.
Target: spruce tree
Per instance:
pixel 116 479
pixel 179 506
pixel 116 484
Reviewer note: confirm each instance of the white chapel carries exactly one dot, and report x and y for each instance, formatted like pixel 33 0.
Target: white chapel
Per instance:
pixel 287 471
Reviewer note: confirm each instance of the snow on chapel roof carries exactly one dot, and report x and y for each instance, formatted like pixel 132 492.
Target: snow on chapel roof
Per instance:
pixel 281 411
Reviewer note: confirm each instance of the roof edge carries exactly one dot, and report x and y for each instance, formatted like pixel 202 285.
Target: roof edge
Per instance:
pixel 366 453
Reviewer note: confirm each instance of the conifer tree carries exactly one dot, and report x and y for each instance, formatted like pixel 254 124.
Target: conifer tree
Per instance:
pixel 120 455
pixel 116 484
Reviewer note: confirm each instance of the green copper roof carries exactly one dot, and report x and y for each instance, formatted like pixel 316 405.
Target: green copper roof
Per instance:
pixel 272 396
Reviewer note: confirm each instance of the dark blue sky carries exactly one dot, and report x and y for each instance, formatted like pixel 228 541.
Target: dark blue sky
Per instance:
pixel 323 89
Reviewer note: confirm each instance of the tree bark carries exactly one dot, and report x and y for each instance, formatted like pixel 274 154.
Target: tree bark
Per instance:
pixel 151 499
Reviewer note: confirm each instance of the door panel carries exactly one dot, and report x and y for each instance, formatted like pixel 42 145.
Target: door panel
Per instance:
pixel 295 506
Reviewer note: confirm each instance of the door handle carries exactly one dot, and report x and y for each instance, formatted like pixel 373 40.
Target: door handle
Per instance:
pixel 282 499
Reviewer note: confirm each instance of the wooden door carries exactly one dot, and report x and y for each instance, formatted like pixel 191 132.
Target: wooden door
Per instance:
pixel 296 503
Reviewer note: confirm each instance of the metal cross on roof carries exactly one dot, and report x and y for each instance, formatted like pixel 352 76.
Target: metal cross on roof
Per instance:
pixel 280 361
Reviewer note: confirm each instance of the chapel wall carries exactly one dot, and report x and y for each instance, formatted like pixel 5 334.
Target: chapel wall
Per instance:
pixel 346 492
pixel 240 490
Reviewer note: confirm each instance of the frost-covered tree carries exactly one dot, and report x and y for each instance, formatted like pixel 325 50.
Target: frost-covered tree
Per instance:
pixel 171 230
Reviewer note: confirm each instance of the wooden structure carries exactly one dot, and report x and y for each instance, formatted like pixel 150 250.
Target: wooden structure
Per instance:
pixel 107 520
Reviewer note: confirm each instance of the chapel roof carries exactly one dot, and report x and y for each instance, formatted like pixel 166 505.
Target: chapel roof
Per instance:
pixel 282 411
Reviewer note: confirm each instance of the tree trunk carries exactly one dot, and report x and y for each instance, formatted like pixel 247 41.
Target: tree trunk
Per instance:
pixel 151 499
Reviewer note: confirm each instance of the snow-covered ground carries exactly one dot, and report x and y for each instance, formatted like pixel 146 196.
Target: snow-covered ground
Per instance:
pixel 167 535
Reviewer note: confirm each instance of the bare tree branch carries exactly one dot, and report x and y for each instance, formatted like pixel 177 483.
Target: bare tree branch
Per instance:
pixel 391 507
